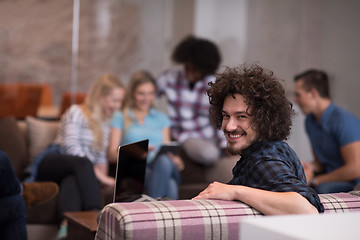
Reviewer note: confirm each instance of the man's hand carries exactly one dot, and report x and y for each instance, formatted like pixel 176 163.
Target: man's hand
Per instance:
pixel 309 171
pixel 218 190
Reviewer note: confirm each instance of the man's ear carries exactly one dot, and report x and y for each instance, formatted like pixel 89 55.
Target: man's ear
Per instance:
pixel 314 92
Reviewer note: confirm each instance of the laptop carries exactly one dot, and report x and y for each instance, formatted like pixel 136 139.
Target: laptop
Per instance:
pixel 130 172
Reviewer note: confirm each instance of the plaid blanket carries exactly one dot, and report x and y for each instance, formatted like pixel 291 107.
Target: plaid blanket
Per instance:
pixel 193 219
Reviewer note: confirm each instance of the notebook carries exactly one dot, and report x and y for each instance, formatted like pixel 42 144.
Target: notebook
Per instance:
pixel 130 172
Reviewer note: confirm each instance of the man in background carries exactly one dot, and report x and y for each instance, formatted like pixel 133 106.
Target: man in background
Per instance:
pixel 334 134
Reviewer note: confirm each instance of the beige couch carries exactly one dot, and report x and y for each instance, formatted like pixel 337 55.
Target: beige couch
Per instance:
pixel 21 144
pixel 23 139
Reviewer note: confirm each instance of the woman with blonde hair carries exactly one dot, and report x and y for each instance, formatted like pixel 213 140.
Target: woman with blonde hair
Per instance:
pixel 140 120
pixel 77 159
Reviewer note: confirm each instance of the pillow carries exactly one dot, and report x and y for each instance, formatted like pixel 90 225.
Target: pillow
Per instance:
pixel 13 143
pixel 41 133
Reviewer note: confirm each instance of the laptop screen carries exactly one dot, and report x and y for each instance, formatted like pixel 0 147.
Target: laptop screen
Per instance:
pixel 130 171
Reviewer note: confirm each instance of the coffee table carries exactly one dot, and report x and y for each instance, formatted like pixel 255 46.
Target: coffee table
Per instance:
pixel 81 225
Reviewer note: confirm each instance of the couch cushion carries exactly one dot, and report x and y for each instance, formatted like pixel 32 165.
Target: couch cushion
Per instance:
pixel 41 133
pixel 13 143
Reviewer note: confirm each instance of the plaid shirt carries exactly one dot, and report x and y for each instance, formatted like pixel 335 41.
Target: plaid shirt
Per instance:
pixel 188 108
pixel 273 166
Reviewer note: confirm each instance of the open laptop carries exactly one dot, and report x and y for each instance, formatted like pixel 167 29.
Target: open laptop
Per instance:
pixel 130 172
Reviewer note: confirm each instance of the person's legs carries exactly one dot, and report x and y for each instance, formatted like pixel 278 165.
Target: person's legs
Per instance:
pixel 13 218
pixel 12 205
pixel 202 151
pixel 173 189
pixel 32 169
pixel 68 188
pixel 163 171
pixel 58 167
pixel 334 187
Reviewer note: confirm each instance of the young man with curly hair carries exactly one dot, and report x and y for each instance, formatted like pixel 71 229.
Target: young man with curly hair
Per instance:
pixel 187 103
pixel 250 106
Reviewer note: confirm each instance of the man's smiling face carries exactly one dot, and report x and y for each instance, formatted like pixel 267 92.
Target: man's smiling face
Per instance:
pixel 236 124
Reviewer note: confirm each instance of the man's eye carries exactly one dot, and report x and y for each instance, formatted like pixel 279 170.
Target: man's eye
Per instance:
pixel 225 116
pixel 241 116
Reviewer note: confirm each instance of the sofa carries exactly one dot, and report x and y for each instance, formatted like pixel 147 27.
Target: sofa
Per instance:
pixel 23 139
pixel 194 219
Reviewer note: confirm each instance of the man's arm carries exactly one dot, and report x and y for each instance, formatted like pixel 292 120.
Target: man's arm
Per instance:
pixel 267 202
pixel 349 171
pixel 312 168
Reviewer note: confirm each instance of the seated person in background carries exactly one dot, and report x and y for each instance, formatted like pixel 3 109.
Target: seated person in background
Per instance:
pixel 187 103
pixel 12 205
pixel 334 134
pixel 77 158
pixel 12 196
pixel 250 106
pixel 139 121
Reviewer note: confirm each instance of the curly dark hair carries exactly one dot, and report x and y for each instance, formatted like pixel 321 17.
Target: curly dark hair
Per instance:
pixel 271 110
pixel 201 53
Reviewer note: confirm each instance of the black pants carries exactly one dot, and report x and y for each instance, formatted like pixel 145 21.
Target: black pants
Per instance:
pixel 79 188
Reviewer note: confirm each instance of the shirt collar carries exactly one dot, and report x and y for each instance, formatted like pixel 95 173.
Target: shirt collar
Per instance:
pixel 131 113
pixel 252 148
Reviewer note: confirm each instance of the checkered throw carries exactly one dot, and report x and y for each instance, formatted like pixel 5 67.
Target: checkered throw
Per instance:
pixel 193 219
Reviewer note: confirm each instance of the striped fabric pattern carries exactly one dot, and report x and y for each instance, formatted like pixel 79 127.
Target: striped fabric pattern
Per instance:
pixel 192 219
pixel 341 202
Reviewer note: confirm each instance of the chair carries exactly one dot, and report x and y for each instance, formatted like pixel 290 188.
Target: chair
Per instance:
pixel 20 100
pixel 7 100
pixel 67 100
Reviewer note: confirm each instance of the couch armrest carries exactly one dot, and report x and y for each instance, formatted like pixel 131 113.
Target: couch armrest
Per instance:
pixel 193 219
pixel 341 202
pixel 182 219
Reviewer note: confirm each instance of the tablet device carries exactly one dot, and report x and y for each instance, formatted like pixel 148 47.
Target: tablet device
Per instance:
pixel 173 147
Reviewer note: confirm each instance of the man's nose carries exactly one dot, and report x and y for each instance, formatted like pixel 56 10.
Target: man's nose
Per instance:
pixel 230 125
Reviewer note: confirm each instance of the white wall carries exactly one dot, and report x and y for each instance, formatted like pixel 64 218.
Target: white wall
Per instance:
pixel 288 37
pixel 224 22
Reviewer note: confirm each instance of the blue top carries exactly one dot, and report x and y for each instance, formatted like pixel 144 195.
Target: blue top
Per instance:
pixel 337 128
pixel 273 166
pixel 154 124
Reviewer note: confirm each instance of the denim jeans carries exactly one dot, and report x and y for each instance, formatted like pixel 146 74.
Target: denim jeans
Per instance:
pixel 32 169
pixel 13 218
pixel 334 187
pixel 163 178
pixel 12 205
